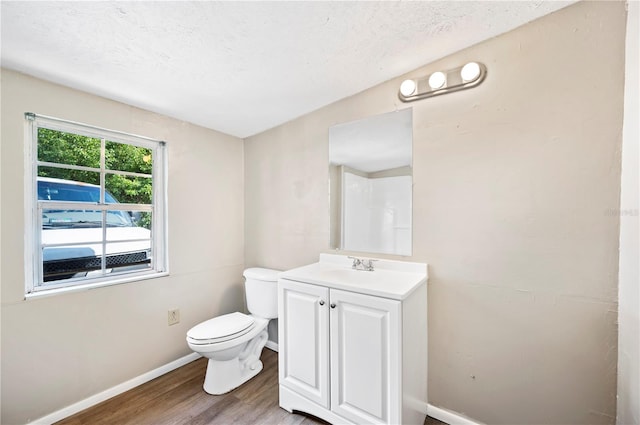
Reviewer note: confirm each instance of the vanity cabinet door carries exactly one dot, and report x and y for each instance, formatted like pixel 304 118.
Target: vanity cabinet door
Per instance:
pixel 303 333
pixel 365 358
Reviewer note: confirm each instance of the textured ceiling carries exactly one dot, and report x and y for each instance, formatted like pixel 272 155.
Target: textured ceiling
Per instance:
pixel 242 67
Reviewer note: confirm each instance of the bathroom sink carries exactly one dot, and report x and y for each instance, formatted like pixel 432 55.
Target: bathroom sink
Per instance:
pixel 390 279
pixel 353 277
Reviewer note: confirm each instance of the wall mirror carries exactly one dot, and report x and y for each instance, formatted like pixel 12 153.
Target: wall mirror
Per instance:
pixel 371 183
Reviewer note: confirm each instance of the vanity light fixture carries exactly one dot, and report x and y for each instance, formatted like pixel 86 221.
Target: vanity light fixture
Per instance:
pixel 441 82
pixel 437 80
pixel 470 72
pixel 408 88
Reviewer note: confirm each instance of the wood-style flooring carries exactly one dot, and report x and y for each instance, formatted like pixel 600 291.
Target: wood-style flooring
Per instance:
pixel 177 398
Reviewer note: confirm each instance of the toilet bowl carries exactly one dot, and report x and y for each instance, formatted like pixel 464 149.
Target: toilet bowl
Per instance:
pixel 233 342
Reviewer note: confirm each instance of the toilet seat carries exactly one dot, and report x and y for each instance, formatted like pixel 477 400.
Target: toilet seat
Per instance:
pixel 222 328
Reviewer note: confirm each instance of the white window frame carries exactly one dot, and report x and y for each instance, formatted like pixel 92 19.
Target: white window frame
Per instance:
pixel 33 217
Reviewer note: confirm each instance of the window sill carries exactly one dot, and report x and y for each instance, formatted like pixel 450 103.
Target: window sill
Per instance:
pixel 42 293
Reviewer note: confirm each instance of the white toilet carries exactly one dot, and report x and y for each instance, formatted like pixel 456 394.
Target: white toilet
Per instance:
pixel 233 342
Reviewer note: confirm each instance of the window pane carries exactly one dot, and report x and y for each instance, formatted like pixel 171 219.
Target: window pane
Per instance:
pixel 71 219
pixel 66 262
pixel 119 219
pixel 58 184
pixel 123 157
pixel 67 148
pixel 129 190
pixel 129 248
pixel 143 219
pixel 69 177
pixel 127 226
pixel 78 261
pixel 124 257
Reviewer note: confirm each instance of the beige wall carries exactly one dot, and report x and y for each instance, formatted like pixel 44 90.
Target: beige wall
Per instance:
pixel 59 350
pixel 514 182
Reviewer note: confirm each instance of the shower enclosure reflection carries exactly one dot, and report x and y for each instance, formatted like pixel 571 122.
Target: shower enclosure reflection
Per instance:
pixel 371 184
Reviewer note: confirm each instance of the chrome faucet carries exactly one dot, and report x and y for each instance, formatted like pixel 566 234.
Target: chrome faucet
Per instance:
pixel 362 264
pixel 369 265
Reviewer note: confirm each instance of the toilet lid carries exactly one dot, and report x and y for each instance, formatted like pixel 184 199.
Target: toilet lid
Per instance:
pixel 222 327
pixel 260 273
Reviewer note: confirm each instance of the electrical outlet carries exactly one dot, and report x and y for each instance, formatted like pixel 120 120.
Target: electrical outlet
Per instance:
pixel 173 316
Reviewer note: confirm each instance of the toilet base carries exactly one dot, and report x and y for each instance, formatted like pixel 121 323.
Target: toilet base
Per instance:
pixel 224 376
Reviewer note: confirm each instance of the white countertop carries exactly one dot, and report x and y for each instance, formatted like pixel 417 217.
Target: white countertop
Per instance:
pixel 390 279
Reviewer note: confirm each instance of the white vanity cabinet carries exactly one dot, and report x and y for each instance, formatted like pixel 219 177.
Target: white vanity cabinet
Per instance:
pixel 351 353
pixel 303 328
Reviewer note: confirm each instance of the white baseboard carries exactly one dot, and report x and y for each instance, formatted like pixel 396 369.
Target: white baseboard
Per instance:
pixel 449 417
pixel 114 391
pixel 273 346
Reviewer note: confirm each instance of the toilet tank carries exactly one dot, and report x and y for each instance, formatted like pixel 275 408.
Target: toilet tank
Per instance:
pixel 261 287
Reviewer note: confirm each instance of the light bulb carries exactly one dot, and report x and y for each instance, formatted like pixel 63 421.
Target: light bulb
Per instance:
pixel 470 72
pixel 408 87
pixel 437 80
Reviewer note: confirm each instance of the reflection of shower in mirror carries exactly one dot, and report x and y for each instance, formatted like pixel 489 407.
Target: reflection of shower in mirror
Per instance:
pixel 376 214
pixel 371 184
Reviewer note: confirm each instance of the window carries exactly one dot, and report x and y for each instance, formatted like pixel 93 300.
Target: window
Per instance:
pixel 95 204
